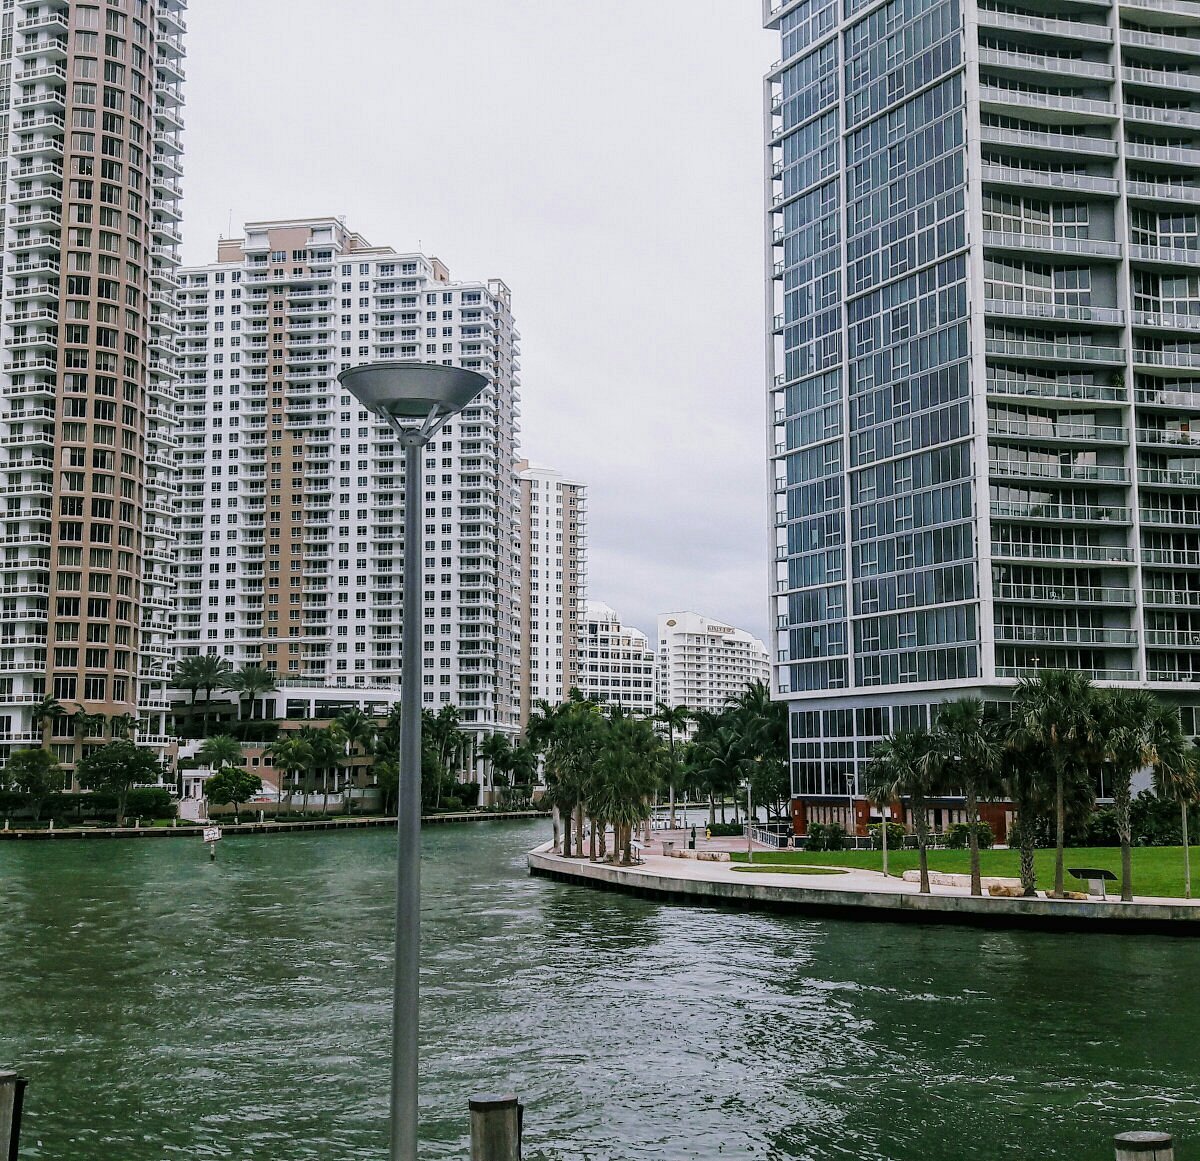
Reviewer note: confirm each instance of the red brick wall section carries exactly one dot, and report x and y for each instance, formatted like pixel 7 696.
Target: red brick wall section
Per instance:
pixel 799 817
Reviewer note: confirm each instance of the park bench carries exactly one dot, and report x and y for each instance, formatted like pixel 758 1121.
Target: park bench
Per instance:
pixel 1095 877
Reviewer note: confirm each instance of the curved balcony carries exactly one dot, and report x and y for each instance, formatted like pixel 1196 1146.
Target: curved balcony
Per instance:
pixel 1050 352
pixel 1070 110
pixel 1054 311
pixel 1064 635
pixel 1062 553
pixel 1066 393
pixel 1025 512
pixel 1043 244
pixel 1076 473
pixel 1160 42
pixel 1163 598
pixel 1043 431
pixel 1053 30
pixel 997 174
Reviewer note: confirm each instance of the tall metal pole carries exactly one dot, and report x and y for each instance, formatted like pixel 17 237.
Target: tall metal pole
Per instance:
pixel 749 825
pixel 406 993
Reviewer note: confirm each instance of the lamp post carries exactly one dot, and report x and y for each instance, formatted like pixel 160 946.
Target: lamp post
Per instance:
pixel 415 399
pixel 749 824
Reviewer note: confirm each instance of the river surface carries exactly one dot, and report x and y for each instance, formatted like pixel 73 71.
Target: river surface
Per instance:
pixel 164 1007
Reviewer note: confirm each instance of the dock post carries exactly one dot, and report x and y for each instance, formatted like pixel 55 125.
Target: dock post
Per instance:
pixel 496 1123
pixel 1144 1146
pixel 12 1094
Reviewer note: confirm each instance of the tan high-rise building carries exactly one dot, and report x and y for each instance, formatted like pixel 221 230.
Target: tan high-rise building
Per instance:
pixel 553 532
pixel 291 532
pixel 90 93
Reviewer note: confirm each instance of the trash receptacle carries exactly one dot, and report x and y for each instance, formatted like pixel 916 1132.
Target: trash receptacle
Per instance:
pixel 667 847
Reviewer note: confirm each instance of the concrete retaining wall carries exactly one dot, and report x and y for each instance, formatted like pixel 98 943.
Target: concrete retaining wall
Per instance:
pixel 1043 914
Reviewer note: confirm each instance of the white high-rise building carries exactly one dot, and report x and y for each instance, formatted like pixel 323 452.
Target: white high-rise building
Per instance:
pixel 553 536
pixel 702 663
pixel 291 538
pixel 90 189
pixel 616 661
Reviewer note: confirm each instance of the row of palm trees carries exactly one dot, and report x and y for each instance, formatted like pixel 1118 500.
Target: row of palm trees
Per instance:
pixel 84 725
pixel 1059 731
pixel 747 741
pixel 208 674
pixel 605 767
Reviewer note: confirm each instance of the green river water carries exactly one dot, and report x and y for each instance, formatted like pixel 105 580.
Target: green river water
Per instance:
pixel 165 1007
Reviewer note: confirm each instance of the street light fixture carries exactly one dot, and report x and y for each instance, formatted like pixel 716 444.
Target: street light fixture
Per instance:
pixel 415 399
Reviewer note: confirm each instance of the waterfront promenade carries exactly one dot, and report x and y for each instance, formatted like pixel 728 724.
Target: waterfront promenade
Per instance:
pixel 855 893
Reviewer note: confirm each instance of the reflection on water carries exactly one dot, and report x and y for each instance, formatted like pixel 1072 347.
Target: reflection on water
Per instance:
pixel 166 1007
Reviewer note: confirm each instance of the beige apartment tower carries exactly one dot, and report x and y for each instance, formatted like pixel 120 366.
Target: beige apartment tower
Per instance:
pixel 553 551
pixel 91 99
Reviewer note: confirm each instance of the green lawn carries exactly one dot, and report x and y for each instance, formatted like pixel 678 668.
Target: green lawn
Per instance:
pixel 778 870
pixel 1156 870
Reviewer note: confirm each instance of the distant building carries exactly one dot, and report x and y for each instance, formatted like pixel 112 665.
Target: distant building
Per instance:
pixel 702 662
pixel 553 570
pixel 616 662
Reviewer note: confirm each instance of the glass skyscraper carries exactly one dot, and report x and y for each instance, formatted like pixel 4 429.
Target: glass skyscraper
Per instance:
pixel 984 284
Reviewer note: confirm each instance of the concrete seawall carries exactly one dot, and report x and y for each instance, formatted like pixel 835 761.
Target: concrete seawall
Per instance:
pixel 716 885
pixel 251 828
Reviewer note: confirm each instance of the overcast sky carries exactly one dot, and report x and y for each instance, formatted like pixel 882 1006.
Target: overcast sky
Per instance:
pixel 604 159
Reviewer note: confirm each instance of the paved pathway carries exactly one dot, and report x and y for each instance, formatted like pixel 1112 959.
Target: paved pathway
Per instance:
pixel 854 881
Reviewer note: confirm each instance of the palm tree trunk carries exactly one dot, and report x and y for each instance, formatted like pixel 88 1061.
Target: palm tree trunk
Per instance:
pixel 579 831
pixel 922 820
pixel 973 837
pixel 325 793
pixel 1060 827
pixel 883 834
pixel 592 840
pixel 674 772
pixel 566 835
pixel 712 810
pixel 1121 793
pixel 627 846
pixel 1187 854
pixel 1028 867
pixel 554 818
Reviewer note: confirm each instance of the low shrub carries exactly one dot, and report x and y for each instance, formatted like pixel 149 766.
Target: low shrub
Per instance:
pixel 254 731
pixel 469 793
pixel 895 835
pixel 452 804
pixel 958 836
pixel 725 829
pixel 826 836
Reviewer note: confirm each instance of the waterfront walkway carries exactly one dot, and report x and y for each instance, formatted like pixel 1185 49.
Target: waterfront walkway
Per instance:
pixel 856 893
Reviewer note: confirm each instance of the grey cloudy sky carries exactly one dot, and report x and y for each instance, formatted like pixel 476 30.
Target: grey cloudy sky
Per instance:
pixel 604 159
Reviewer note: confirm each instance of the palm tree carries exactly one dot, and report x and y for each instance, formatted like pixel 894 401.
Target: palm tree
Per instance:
pixel 122 725
pixel 674 720
pixel 964 754
pixel 221 753
pixel 1180 783
pixel 1030 785
pixel 1134 731
pixel 1055 711
pixel 898 766
pixel 324 752
pixel 442 737
pixel 207 672
pixel 882 788
pixel 498 751
pixel 356 731
pixel 44 712
pixel 293 756
pixel 250 683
